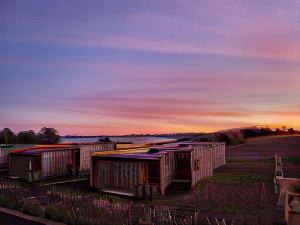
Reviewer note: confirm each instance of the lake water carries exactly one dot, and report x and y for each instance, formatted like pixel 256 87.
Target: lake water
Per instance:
pixel 134 140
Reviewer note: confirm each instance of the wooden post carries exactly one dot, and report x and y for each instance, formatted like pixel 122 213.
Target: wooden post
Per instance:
pixel 263 197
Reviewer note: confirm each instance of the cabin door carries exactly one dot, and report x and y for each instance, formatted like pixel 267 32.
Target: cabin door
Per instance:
pixel 77 161
pixel 183 166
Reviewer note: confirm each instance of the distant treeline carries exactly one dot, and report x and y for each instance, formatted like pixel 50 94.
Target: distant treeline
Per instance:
pixel 44 136
pixel 238 136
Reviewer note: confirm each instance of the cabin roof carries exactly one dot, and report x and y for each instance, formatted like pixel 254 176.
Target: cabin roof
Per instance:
pixel 133 153
pixel 143 152
pixel 35 149
pixel 197 143
pixel 39 149
pixel 16 147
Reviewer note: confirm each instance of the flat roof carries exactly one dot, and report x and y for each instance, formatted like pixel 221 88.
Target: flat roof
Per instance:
pixel 198 143
pixel 142 153
pixel 88 143
pixel 16 147
pixel 133 153
pixel 39 149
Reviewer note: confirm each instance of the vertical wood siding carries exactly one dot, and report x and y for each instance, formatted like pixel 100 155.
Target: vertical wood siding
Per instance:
pixel 167 171
pixel 86 150
pixel 56 162
pixel 19 166
pixel 208 158
pixel 3 156
pixel 119 175
pixel 125 175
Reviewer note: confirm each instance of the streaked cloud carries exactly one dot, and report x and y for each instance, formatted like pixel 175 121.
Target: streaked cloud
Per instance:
pixel 149 66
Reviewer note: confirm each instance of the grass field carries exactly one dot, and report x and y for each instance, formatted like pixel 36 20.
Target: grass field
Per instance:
pixel 257 155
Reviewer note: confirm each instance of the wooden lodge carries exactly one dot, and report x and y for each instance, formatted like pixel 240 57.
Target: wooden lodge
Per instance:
pixel 34 164
pixel 124 171
pixel 46 161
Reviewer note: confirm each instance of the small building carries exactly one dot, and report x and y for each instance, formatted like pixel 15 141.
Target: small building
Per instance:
pixel 123 171
pixel 45 161
pixel 33 164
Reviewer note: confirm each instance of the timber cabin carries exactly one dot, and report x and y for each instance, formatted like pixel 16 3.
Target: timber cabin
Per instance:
pixel 122 171
pixel 46 161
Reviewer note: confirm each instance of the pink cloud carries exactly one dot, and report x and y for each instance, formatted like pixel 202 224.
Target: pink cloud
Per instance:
pixel 172 47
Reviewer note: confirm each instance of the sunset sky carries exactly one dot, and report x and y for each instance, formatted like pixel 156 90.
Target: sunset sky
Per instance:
pixel 157 66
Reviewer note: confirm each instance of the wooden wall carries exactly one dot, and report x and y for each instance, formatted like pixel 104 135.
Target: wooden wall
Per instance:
pixel 3 156
pixel 19 166
pixel 205 159
pixel 125 175
pixel 119 175
pixel 86 150
pixel 55 163
pixel 167 171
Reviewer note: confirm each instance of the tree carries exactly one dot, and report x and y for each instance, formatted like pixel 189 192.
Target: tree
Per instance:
pixel 48 136
pixel 8 136
pixel 27 137
pixel 284 128
pixel 1 137
pixel 291 131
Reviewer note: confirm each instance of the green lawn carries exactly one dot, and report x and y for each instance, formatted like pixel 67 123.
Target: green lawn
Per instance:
pixel 239 177
pixel 295 160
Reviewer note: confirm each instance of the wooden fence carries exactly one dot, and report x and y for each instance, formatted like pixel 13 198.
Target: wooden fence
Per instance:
pixel 77 208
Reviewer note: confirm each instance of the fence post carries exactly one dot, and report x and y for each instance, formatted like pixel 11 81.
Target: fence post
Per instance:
pixel 263 197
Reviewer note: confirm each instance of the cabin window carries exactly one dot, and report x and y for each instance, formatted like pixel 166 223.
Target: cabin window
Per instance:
pixel 196 165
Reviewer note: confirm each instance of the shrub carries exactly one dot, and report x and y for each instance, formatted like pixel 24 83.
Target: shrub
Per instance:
pixel 155 194
pixel 59 213
pixel 32 209
pixel 84 221
pixel 231 137
pixel 6 202
pixel 294 160
pixel 9 201
pixel 109 198
pixel 103 217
